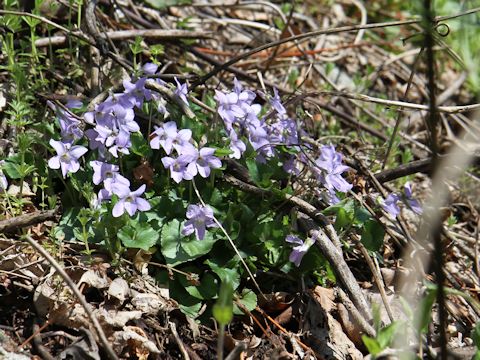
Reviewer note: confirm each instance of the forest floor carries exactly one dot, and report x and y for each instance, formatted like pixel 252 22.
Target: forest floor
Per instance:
pixel 354 74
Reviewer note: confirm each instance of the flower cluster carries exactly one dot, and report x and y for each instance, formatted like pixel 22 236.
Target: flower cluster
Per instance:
pixel 241 116
pixel 199 218
pixel 300 249
pixel 391 203
pixel 113 122
pixel 189 160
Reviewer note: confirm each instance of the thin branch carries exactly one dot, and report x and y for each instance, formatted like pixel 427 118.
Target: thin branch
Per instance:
pixel 158 34
pixel 403 104
pixel 435 227
pixel 25 220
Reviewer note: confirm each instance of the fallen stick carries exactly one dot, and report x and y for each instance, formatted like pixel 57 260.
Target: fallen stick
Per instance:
pixel 25 220
pixel 335 258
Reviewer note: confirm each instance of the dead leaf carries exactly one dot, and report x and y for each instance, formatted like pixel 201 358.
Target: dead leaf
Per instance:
pixel 119 289
pixel 116 319
pixel 134 340
pixel 148 303
pixel 144 173
pixel 94 279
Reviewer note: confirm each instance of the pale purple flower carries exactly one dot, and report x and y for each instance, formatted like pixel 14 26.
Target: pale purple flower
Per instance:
pixel 69 125
pixel 181 168
pixel 236 145
pixel 237 106
pixel 284 131
pixel 150 68
pixel 67 156
pixel 104 113
pixel 330 169
pixel 94 144
pixel 129 201
pixel 163 136
pixel 199 218
pixel 300 249
pixel 244 95
pixel 228 108
pixel 390 205
pixel 206 160
pixel 290 165
pixel 276 103
pixel 168 137
pixel 181 91
pixel 102 171
pixel 410 201
pixel 136 92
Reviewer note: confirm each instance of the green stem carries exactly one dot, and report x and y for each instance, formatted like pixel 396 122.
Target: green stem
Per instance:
pixel 221 337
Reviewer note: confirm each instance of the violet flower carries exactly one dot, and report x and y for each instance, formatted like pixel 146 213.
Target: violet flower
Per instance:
pixel 206 161
pixel 330 169
pixel 300 250
pixel 236 145
pixel 391 203
pixel 228 108
pixel 67 156
pixel 410 201
pixel 149 68
pixel 181 168
pixel 181 91
pixel 136 92
pixel 102 171
pixel 199 218
pixel 168 137
pixel 276 103
pixel 69 125
pixel 129 201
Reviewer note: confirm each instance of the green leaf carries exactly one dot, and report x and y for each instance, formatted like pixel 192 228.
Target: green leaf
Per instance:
pixel 223 152
pixel 140 145
pixel 361 216
pixel 248 299
pixel 190 310
pixel 372 345
pixel 225 273
pixel 141 236
pixel 346 204
pixel 385 336
pixel 475 335
pixel 253 170
pixel 178 249
pixel 425 311
pixel 206 290
pixel 170 240
pixel 196 248
pixel 372 235
pixel 342 220
pixel 11 169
